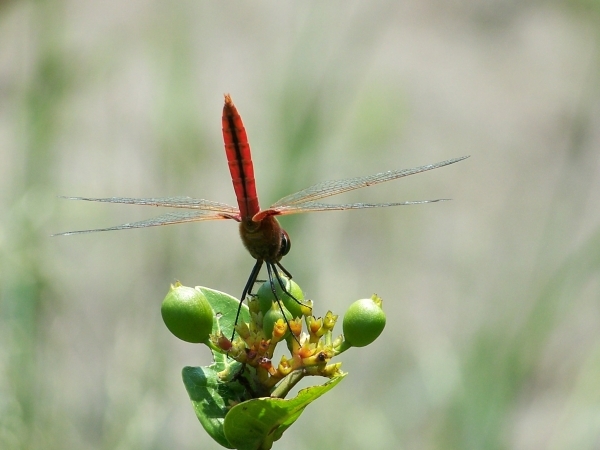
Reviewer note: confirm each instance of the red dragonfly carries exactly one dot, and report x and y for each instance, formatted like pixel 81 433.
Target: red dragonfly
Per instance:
pixel 260 231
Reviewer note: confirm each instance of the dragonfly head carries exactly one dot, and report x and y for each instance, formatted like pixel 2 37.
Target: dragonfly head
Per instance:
pixel 286 244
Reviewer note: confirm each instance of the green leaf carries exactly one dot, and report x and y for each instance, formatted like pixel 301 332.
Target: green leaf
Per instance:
pixel 211 396
pixel 225 308
pixel 211 399
pixel 256 424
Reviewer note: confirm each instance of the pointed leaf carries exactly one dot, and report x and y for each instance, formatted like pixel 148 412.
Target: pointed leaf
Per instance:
pixel 256 424
pixel 211 399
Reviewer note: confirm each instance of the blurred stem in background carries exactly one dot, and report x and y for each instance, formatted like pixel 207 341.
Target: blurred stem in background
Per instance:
pixel 500 363
pixel 26 298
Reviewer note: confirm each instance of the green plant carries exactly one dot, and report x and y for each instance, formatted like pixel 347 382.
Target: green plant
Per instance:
pixel 240 398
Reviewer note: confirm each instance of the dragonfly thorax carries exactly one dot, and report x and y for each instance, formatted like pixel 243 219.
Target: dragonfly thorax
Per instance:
pixel 265 240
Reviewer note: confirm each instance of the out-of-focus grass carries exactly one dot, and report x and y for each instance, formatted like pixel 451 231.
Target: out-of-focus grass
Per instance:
pixel 492 299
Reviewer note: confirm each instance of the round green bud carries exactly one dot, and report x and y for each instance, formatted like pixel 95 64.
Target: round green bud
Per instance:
pixel 187 314
pixel 272 316
pixel 266 298
pixel 364 321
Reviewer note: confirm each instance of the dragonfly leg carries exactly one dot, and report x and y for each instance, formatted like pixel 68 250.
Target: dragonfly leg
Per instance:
pixel 284 270
pixel 270 269
pixel 247 289
pixel 282 285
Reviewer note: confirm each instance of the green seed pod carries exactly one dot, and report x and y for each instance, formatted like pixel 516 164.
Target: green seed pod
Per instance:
pixel 266 299
pixel 187 314
pixel 272 316
pixel 364 321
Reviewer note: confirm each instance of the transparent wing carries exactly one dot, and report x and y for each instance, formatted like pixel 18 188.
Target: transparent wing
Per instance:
pixel 314 206
pixel 203 210
pixel 333 187
pixel 165 219
pixel 169 202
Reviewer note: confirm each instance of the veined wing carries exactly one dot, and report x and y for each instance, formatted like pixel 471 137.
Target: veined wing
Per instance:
pixel 315 206
pixel 168 202
pixel 203 210
pixel 334 187
pixel 165 219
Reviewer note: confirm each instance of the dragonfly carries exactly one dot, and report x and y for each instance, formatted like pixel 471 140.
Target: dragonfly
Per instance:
pixel 260 231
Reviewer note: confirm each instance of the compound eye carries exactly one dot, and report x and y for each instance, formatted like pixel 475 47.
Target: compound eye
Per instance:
pixel 286 244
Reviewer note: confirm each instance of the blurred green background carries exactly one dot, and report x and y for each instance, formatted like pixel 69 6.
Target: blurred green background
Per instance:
pixel 493 336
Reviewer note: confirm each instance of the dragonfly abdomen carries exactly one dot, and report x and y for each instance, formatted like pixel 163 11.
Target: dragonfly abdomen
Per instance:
pixel 239 159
